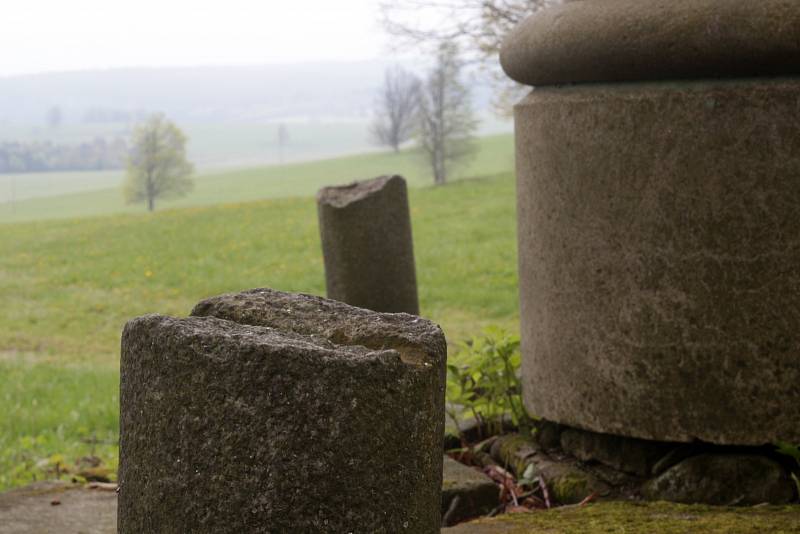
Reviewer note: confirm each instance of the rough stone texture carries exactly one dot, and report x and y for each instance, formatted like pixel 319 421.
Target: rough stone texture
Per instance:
pixel 634 456
pixel 466 492
pixel 633 40
pixel 659 244
pixel 723 480
pixel 328 418
pixel 29 510
pixel 414 338
pixel 367 245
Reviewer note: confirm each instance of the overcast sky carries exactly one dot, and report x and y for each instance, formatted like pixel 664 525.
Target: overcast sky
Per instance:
pixel 58 35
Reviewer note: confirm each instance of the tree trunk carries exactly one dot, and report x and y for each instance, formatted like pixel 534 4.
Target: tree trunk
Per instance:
pixel 439 170
pixel 151 203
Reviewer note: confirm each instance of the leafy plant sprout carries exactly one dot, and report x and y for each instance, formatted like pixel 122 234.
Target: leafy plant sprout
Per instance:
pixel 485 382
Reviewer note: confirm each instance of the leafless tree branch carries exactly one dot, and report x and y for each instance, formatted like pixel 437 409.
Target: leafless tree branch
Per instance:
pixel 446 122
pixel 396 108
pixel 477 27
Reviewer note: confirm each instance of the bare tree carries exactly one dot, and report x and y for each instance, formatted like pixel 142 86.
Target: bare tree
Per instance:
pixel 446 122
pixel 478 27
pixel 396 108
pixel 283 140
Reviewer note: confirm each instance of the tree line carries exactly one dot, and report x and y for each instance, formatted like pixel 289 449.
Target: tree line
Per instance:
pixel 437 112
pixel 100 154
pixel 477 27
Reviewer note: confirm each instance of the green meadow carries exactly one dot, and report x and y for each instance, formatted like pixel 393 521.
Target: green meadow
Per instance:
pixel 495 155
pixel 69 284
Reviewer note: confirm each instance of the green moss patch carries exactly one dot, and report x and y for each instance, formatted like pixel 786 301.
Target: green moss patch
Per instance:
pixel 661 517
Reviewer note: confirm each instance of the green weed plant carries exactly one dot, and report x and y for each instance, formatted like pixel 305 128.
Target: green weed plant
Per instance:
pixel 485 382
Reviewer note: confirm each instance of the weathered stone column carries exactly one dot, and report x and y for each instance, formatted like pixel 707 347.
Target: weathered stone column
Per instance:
pixel 274 412
pixel 658 163
pixel 367 245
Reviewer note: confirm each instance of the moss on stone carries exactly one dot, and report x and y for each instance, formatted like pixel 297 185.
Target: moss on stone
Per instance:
pixel 571 488
pixel 661 517
pixel 513 450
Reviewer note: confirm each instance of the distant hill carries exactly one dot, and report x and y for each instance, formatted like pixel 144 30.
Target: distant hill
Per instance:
pixel 201 94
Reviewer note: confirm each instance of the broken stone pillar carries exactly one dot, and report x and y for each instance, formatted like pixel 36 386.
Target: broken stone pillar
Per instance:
pixel 277 412
pixel 367 245
pixel 658 163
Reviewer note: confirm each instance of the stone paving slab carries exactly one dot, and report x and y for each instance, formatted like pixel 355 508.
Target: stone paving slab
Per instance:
pixel 82 511
pixel 30 510
pixel 466 492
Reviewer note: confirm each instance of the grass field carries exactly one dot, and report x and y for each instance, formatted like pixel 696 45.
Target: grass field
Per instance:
pixel 18 187
pixel 68 286
pixel 495 155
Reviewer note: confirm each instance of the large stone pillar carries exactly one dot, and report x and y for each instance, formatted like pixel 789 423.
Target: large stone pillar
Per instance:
pixel 365 228
pixel 276 412
pixel 658 163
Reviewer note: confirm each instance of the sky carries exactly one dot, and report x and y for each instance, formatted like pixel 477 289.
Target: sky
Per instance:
pixel 60 35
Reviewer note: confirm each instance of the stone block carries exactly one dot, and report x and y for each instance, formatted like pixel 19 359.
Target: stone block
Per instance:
pixel 466 493
pixel 658 234
pixel 658 218
pixel 727 480
pixel 635 40
pixel 365 228
pixel 307 415
pixel 634 456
